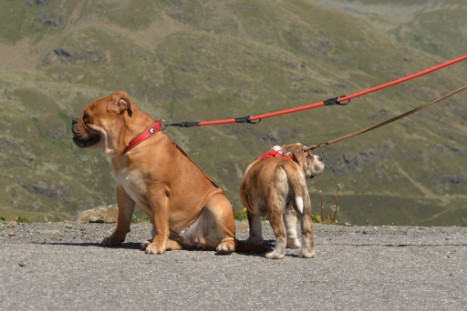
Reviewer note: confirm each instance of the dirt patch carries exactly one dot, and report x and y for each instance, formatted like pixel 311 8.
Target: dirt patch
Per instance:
pixel 18 56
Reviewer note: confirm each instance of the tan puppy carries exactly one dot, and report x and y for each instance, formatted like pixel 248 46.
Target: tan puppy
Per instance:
pixel 185 206
pixel 274 186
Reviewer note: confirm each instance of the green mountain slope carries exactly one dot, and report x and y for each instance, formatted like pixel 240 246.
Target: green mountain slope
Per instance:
pixel 204 60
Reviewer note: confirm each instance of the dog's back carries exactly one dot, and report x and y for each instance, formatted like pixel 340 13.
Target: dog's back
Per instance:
pixel 273 182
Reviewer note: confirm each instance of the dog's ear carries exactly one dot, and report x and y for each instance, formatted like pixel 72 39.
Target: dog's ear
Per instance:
pixel 122 102
pixel 299 157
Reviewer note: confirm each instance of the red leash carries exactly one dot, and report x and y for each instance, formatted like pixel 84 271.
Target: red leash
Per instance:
pixel 340 100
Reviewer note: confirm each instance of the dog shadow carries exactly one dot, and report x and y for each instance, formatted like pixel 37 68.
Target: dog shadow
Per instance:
pixel 267 244
pixel 125 245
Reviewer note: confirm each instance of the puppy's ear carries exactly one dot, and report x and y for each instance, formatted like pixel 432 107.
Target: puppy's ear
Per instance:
pixel 298 157
pixel 122 102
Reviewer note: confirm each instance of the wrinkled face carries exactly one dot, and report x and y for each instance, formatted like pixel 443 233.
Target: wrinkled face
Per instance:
pixel 101 124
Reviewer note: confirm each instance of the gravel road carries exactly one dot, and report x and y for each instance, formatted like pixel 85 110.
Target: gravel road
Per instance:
pixel 59 266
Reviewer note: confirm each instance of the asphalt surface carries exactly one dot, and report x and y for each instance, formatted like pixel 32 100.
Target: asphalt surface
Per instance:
pixel 59 266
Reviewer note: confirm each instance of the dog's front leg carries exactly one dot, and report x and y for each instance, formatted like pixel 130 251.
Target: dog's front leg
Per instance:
pixel 126 207
pixel 159 205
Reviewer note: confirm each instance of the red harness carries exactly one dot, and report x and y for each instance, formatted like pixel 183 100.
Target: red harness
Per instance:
pixel 275 154
pixel 153 129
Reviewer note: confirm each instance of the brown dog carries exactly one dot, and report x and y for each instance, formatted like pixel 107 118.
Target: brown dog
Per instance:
pixel 274 186
pixel 186 208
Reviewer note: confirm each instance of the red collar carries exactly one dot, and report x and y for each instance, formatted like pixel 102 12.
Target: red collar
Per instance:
pixel 153 129
pixel 275 154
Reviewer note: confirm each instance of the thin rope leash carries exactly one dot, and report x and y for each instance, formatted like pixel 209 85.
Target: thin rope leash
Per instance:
pixel 398 117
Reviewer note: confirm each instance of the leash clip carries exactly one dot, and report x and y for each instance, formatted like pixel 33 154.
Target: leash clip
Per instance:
pixel 185 124
pixel 164 124
pixel 247 119
pixel 336 101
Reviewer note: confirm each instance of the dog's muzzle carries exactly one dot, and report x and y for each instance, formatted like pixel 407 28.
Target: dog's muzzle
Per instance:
pixel 81 137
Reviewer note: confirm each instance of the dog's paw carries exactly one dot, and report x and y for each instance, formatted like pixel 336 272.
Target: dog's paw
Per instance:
pixel 275 255
pixel 145 244
pixel 255 239
pixel 153 248
pixel 293 243
pixel 225 248
pixel 112 241
pixel 307 253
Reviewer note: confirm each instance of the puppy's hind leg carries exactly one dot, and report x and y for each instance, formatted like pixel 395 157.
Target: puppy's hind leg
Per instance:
pixel 290 219
pixel 256 228
pixel 308 245
pixel 276 220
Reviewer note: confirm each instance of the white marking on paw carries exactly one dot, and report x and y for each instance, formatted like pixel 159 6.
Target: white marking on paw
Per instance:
pixel 275 255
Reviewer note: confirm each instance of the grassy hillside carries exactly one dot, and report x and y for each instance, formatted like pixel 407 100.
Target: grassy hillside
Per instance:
pixel 203 60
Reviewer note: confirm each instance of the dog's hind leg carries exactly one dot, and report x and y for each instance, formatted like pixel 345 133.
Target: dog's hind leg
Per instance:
pixel 219 218
pixel 308 245
pixel 276 219
pixel 256 229
pixel 290 220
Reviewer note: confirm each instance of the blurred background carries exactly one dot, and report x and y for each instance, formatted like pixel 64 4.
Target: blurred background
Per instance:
pixel 192 60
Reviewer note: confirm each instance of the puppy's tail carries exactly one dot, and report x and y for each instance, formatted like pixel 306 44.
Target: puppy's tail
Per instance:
pixel 243 246
pixel 298 185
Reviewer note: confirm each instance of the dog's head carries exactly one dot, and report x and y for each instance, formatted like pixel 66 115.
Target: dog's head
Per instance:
pixel 103 123
pixel 311 164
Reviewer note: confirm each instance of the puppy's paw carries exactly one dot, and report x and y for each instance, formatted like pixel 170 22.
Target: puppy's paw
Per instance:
pixel 275 255
pixel 112 240
pixel 307 253
pixel 225 248
pixel 293 243
pixel 255 239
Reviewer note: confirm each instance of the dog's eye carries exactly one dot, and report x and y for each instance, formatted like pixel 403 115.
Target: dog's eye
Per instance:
pixel 86 118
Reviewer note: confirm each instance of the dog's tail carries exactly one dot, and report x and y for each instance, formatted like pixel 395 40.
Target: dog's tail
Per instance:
pixel 299 188
pixel 243 246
